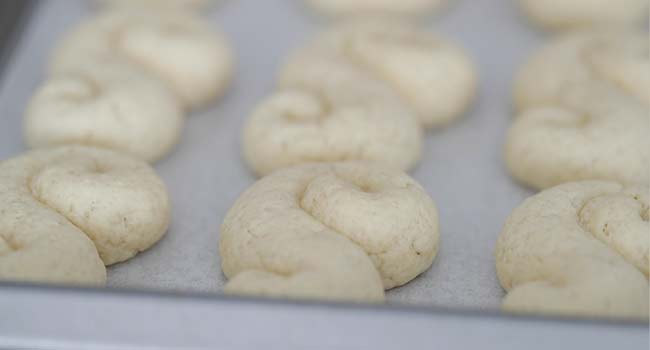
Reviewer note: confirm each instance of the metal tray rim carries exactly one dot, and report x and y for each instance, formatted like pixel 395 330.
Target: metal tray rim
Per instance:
pixel 30 6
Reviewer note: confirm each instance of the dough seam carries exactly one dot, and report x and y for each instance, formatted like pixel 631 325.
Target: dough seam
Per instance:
pixel 376 257
pixel 37 199
pixel 377 254
pixel 299 199
pixel 588 232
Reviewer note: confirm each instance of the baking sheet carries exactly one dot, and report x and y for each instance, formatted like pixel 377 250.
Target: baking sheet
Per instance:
pixel 461 167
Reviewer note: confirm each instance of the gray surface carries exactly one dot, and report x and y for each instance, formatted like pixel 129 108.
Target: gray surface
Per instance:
pixel 461 167
pixel 89 320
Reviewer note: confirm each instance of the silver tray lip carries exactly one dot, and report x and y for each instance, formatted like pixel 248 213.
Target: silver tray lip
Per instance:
pixel 27 8
pixel 438 311
pixel 20 12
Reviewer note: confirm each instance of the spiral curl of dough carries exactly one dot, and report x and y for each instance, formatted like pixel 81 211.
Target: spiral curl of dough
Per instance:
pixel 433 76
pixel 67 212
pixel 578 249
pixel 336 121
pixel 111 106
pixel 572 14
pixel 339 231
pixel 180 48
pixel 356 7
pixel 616 58
pixel 593 133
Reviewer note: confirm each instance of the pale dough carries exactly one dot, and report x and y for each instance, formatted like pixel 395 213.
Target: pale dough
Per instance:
pixel 578 249
pixel 329 231
pixel 67 212
pixel 179 48
pixel 334 120
pixel 572 14
pixel 356 7
pixel 109 105
pixel 433 76
pixel 616 58
pixel 591 133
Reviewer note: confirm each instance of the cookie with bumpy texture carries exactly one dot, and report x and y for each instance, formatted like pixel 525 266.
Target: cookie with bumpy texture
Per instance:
pixel 432 76
pixel 180 48
pixel 67 212
pixel 572 14
pixel 615 58
pixel 109 105
pixel 334 120
pixel 340 231
pixel 591 133
pixel 357 7
pixel 578 249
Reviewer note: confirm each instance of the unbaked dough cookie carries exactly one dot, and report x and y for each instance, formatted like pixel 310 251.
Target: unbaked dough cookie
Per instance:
pixel 616 58
pixel 592 133
pixel 329 231
pixel 571 14
pixel 356 7
pixel 433 76
pixel 578 249
pixel 180 48
pixel 109 105
pixel 63 209
pixel 334 121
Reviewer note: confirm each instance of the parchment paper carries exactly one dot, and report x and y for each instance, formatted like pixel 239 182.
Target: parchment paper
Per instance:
pixel 462 166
